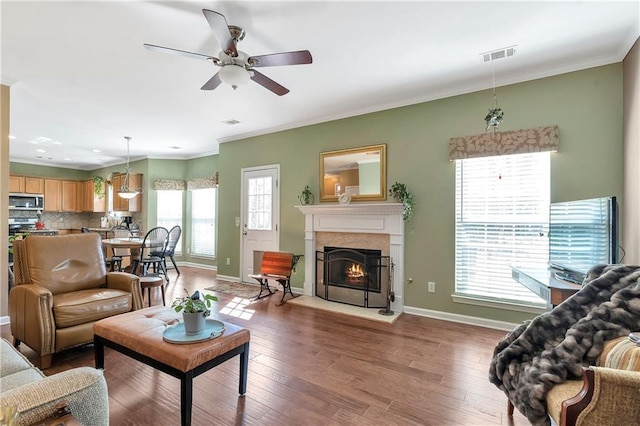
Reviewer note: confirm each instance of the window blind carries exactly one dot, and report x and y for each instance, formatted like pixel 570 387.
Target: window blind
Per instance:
pixel 502 209
pixel 169 212
pixel 203 222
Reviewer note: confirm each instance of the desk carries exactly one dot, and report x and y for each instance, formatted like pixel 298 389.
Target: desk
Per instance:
pixel 542 282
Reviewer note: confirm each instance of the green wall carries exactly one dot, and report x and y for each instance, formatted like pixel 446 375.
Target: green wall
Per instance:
pixel 586 106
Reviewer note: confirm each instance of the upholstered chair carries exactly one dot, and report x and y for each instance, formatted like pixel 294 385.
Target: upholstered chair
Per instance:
pixel 62 288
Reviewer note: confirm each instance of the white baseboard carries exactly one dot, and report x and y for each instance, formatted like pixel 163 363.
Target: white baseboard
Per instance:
pixel 463 319
pixel 228 278
pixel 197 265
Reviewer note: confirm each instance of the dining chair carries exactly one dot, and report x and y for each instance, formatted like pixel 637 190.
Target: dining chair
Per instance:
pixel 174 237
pixel 152 251
pixel 114 262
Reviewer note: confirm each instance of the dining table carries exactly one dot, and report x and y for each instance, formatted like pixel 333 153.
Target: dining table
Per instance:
pixel 134 244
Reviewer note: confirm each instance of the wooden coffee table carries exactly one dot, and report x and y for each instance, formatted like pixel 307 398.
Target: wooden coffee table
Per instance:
pixel 138 334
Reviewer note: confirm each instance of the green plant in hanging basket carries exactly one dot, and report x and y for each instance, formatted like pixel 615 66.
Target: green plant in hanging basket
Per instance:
pixel 98 187
pixel 401 193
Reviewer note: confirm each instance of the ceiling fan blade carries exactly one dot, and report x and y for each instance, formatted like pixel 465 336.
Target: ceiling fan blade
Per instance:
pixel 285 58
pixel 180 52
pixel 218 24
pixel 265 81
pixel 212 83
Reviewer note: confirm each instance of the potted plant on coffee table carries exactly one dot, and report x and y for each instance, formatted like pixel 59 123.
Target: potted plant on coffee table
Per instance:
pixel 195 310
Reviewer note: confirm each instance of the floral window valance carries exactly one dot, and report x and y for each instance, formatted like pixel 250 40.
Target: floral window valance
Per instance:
pixel 539 139
pixel 168 185
pixel 203 183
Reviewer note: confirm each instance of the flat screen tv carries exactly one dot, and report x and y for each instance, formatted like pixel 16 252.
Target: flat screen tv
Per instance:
pixel 583 233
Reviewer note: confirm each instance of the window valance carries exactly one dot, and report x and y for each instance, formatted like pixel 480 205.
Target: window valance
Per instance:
pixel 168 185
pixel 203 183
pixel 539 139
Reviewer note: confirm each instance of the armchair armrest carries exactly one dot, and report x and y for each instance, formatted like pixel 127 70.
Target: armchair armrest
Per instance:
pixel 609 396
pixel 126 282
pixel 31 313
pixel 84 387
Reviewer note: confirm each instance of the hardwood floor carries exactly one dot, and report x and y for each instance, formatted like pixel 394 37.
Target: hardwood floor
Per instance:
pixel 311 367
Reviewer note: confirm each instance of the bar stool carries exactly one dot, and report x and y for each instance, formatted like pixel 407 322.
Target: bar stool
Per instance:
pixel 149 282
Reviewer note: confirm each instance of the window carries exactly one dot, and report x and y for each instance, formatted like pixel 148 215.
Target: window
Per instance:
pixel 203 222
pixel 259 198
pixel 502 215
pixel 170 212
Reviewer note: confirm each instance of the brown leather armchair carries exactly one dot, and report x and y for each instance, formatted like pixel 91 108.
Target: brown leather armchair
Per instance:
pixel 62 288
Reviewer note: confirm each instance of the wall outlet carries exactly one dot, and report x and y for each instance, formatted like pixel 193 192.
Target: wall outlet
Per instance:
pixel 228 261
pixel 431 287
pixel 62 219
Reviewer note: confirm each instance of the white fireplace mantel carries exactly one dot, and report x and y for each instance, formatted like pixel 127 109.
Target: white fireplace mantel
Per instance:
pixel 364 218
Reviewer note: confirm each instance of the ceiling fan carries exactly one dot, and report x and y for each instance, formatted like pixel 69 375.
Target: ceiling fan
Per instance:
pixel 236 67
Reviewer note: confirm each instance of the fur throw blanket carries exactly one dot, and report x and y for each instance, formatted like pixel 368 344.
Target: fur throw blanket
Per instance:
pixel 554 346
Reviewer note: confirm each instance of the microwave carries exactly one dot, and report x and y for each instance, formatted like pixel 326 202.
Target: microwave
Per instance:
pixel 26 201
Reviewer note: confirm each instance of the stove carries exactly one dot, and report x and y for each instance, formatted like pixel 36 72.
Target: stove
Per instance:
pixel 21 224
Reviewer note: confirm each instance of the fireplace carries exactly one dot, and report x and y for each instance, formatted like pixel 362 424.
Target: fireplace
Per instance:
pixel 354 276
pixel 370 226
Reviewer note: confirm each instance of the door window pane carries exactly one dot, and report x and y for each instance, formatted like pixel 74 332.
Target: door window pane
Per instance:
pixel 259 208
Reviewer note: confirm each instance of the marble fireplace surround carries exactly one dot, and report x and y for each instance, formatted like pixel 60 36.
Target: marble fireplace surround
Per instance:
pixel 357 224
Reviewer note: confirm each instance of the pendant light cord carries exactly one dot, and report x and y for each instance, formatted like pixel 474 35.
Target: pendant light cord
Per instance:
pixel 493 82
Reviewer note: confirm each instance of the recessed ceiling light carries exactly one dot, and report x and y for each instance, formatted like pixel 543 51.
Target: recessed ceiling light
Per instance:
pixel 41 150
pixel 67 159
pixel 230 122
pixel 96 150
pixel 175 147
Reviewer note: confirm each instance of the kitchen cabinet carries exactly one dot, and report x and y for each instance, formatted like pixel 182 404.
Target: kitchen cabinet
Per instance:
pixel 122 204
pixel 52 191
pixel 26 185
pixel 60 195
pixel 88 201
pixel 33 185
pixel 69 196
pixel 16 184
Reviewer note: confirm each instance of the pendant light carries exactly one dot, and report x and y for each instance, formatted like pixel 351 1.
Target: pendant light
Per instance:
pixel 125 191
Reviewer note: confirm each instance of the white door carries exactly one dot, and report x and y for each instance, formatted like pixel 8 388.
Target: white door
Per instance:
pixel 260 215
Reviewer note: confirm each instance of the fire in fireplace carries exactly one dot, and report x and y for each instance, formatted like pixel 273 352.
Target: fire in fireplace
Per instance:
pixel 352 275
pixel 353 268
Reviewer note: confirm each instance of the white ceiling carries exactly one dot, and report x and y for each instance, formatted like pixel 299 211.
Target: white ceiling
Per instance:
pixel 81 79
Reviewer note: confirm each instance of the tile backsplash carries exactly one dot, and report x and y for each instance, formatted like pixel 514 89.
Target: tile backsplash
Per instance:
pixel 70 220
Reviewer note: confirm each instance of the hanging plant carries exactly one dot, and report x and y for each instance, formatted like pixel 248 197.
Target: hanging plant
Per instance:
pixel 494 118
pixel 98 187
pixel 401 193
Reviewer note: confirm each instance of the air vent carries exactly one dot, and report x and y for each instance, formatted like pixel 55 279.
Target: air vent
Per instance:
pixel 231 122
pixel 498 54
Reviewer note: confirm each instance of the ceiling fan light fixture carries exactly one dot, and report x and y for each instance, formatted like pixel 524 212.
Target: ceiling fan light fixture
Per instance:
pixel 234 75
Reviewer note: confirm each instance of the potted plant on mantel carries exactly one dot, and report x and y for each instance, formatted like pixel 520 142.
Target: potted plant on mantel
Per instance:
pixel 195 310
pixel 401 193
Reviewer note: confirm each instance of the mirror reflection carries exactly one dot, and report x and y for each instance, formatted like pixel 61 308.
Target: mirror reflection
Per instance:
pixel 359 172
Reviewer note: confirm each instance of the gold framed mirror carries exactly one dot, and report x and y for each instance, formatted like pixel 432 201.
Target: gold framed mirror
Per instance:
pixel 359 172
